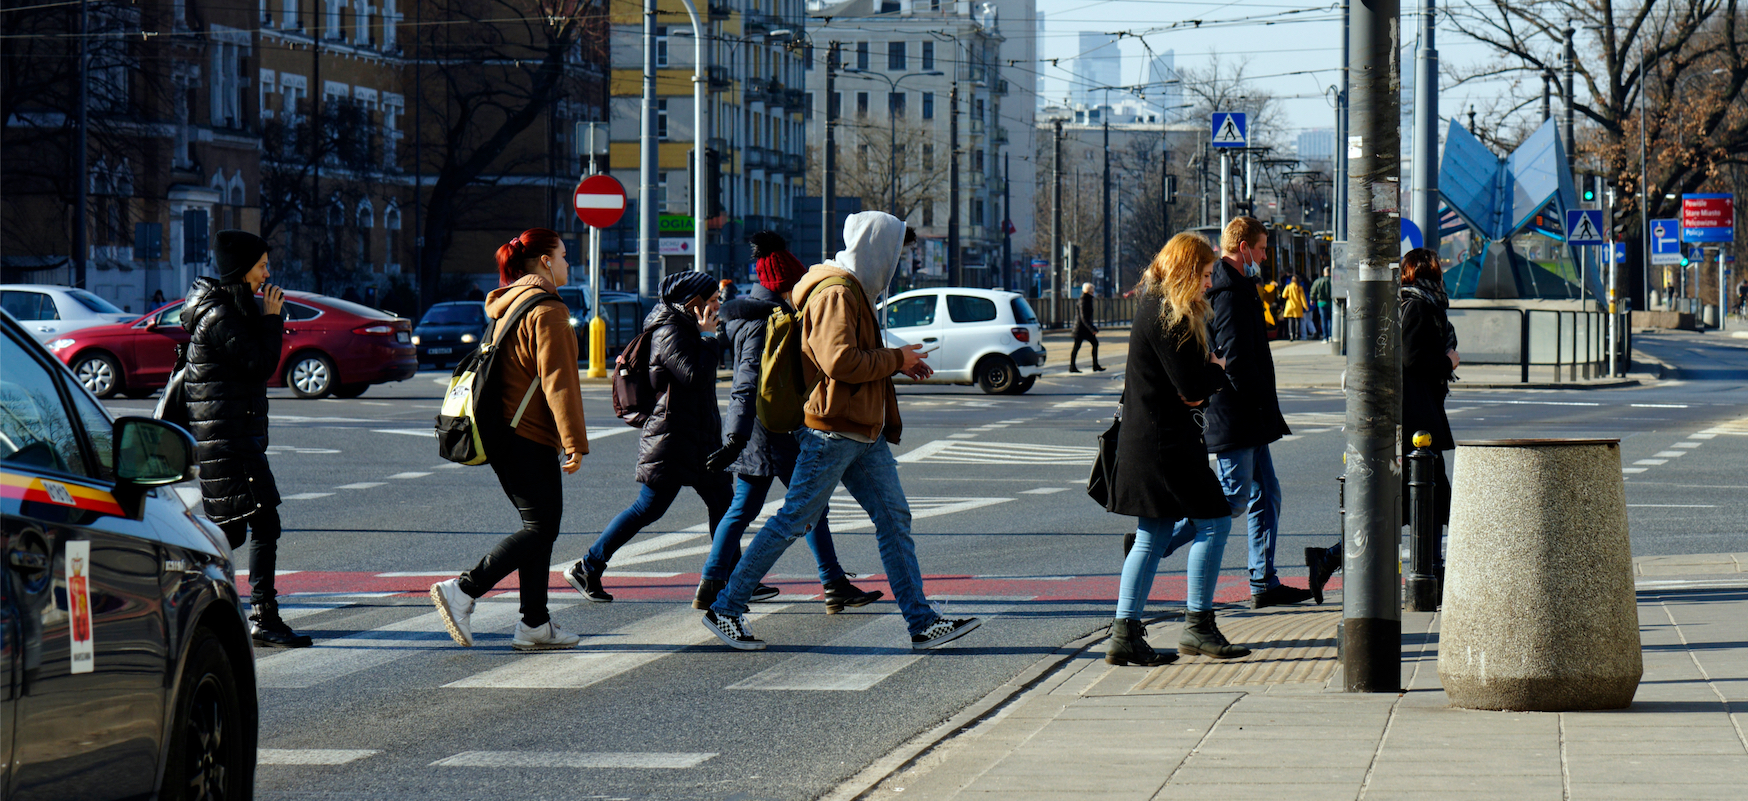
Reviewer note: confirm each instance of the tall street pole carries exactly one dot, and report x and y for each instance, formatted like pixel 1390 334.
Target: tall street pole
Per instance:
pixel 1644 186
pixel 649 255
pixel 1571 143
pixel 1055 258
pixel 1105 202
pixel 1372 602
pixel 700 137
pixel 955 273
pixel 1007 211
pixel 1424 209
pixel 828 202
pixel 1225 196
pixel 81 179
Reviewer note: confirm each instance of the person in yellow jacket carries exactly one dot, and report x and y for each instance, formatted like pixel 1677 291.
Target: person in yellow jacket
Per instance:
pixel 1293 296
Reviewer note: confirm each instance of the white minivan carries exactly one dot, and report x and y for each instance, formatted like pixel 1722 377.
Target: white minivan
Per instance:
pixel 987 337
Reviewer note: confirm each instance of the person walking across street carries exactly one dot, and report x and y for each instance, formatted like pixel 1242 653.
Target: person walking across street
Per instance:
pixel 754 454
pixel 1320 303
pixel 534 433
pixel 851 423
pixel 233 349
pixel 1244 420
pixel 1162 474
pixel 684 428
pixel 1085 331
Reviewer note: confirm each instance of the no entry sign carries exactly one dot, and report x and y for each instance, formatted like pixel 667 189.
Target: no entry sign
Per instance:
pixel 600 201
pixel 1708 218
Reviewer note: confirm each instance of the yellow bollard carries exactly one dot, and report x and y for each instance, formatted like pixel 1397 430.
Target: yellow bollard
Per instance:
pixel 598 348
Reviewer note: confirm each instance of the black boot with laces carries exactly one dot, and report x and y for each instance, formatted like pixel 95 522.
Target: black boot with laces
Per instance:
pixel 267 630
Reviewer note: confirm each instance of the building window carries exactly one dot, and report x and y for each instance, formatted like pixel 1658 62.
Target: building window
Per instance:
pixel 391 224
pixel 928 157
pixel 807 58
pixel 808 114
pixel 661 43
pixel 895 56
pixel 861 55
pixel 928 205
pixel 861 105
pixel 226 84
pixel 895 104
pixel 928 55
pixel 661 119
pixel 976 211
pixel 977 161
pixel 289 18
pixel 928 105
pixel 366 221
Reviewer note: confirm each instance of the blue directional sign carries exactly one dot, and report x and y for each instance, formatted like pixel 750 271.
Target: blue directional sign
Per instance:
pixel 1411 237
pixel 1665 242
pixel 1620 253
pixel 1584 226
pixel 1229 129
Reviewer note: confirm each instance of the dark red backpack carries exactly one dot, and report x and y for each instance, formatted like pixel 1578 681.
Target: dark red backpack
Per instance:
pixel 634 395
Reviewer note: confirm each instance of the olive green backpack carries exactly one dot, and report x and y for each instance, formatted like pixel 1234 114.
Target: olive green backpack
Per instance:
pixel 783 387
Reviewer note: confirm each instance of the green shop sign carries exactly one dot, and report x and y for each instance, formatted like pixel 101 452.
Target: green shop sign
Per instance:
pixel 675 223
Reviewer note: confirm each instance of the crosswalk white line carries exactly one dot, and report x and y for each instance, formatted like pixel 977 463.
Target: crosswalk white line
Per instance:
pixel 1044 491
pixel 312 756
pixel 305 496
pixel 951 451
pixel 1669 454
pixel 410 475
pixel 603 656
pixel 594 433
pixel 331 659
pixel 1651 462
pixel 858 660
pixel 360 485
pixel 571 759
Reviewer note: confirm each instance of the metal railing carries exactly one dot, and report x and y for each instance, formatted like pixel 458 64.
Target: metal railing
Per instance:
pixel 1571 342
pixel 1106 311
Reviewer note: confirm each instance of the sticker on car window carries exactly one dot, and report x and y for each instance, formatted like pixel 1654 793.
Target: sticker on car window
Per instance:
pixel 79 606
pixel 58 493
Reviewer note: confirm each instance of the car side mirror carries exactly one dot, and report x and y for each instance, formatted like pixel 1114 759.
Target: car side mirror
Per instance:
pixel 152 324
pixel 148 453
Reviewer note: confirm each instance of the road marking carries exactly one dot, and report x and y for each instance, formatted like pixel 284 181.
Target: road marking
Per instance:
pixel 951 451
pixel 856 661
pixel 1629 470
pixel 375 403
pixel 1316 419
pixel 1652 462
pixel 296 419
pixel 311 756
pixel 594 433
pixel 1658 405
pixel 1540 403
pixel 409 475
pixel 343 656
pixel 1686 445
pixel 1702 435
pixel 623 649
pixel 305 496
pixel 571 759
pixel 1669 454
pixel 360 485
pixel 1086 400
pixel 1671 506
pixel 278 450
pixel 961 436
pixel 1044 491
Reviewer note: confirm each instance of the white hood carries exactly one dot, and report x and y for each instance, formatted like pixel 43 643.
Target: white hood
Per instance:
pixel 872 241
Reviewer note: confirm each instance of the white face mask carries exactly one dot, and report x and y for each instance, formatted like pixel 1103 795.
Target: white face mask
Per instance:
pixel 1252 269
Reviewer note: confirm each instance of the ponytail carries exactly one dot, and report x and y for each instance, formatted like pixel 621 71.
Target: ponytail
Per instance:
pixel 514 256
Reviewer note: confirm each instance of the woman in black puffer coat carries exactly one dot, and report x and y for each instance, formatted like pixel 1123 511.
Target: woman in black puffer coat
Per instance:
pixel 754 454
pixel 685 427
pixel 233 349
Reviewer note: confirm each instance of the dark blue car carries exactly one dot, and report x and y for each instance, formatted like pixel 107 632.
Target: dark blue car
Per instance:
pixel 449 331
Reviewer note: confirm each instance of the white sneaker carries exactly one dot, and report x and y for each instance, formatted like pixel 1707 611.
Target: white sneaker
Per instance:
pixel 545 637
pixel 456 608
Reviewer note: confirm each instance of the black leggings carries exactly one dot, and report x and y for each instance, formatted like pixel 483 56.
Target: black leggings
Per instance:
pixel 1074 353
pixel 529 473
pixel 263 552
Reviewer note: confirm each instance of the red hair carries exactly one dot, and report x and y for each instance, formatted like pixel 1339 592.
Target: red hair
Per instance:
pixel 513 256
pixel 1419 264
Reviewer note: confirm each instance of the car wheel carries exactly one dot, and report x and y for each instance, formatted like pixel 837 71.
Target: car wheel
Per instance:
pixel 211 755
pixel 310 375
pixel 350 390
pixel 1023 385
pixel 997 375
pixel 99 373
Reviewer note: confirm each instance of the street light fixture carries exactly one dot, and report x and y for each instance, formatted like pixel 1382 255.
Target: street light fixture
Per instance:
pixel 892 127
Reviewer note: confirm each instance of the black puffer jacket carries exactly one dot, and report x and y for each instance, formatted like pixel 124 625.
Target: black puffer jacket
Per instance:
pixel 1249 416
pixel 233 350
pixel 686 425
pixel 766 453
pixel 1427 336
pixel 1083 318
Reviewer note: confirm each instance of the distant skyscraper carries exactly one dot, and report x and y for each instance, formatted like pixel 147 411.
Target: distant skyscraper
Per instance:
pixel 1163 91
pixel 1099 64
pixel 1317 144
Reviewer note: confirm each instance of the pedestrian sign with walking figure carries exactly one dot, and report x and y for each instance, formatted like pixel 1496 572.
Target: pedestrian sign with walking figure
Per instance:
pixel 1584 226
pixel 1229 129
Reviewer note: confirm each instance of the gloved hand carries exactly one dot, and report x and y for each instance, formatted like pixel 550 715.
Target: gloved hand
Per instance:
pixel 725 456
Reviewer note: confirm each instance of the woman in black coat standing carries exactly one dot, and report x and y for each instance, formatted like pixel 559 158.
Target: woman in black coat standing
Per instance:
pixel 1084 330
pixel 1162 474
pixel 233 349
pixel 684 429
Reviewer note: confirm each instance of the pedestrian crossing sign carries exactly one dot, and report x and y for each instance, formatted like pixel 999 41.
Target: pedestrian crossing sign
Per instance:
pixel 1584 226
pixel 1229 129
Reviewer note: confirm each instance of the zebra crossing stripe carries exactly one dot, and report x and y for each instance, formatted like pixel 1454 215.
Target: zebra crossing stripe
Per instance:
pixel 949 451
pixel 331 659
pixel 312 756
pixel 857 660
pixel 571 759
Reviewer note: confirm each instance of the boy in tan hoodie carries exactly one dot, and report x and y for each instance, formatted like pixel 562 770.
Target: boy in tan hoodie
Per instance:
pixel 851 421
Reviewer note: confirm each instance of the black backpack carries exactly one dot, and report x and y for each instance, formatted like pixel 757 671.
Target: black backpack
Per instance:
pixel 472 398
pixel 634 394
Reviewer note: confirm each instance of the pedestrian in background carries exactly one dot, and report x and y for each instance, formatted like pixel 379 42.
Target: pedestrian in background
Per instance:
pixel 1162 474
pixel 851 423
pixel 684 428
pixel 1293 306
pixel 233 349
pixel 754 454
pixel 157 299
pixel 1320 302
pixel 537 366
pixel 1242 422
pixel 1085 331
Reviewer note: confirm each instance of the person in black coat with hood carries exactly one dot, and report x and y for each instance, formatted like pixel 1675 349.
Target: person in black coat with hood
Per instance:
pixel 685 427
pixel 754 454
pixel 1084 330
pixel 233 349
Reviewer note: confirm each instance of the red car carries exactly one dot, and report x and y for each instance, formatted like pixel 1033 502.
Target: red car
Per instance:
pixel 332 346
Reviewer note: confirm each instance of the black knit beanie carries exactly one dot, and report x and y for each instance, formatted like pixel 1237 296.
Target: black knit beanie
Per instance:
pixel 234 253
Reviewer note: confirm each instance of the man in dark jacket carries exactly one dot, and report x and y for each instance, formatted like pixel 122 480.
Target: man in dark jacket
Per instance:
pixel 1085 331
pixel 1244 420
pixel 233 348
pixel 754 454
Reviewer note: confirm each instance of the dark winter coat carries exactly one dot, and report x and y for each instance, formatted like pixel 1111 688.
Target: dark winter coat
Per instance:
pixel 767 453
pixel 1250 415
pixel 686 425
pixel 1426 369
pixel 233 349
pixel 1083 319
pixel 1162 461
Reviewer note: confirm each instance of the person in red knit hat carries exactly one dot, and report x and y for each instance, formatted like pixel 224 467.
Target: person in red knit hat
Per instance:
pixel 755 454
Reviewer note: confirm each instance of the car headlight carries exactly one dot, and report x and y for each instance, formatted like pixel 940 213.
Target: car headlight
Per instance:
pixel 415 339
pixel 573 322
pixel 60 344
pixel 467 337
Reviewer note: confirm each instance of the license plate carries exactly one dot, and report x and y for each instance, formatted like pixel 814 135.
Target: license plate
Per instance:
pixel 436 351
pixel 402 336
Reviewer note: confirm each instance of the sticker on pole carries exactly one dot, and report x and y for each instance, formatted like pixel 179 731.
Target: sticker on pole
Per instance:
pixel 1229 129
pixel 1665 242
pixel 82 652
pixel 1584 226
pixel 600 201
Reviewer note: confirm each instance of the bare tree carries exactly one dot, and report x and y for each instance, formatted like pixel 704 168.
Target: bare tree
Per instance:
pixel 867 168
pixel 1222 86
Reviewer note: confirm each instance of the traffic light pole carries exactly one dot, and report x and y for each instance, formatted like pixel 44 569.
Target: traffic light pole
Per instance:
pixel 1371 610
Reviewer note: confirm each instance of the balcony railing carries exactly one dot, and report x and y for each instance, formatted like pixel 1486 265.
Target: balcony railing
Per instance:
pixel 977 127
pixel 998 135
pixel 719 78
pixel 753 158
pixel 794 164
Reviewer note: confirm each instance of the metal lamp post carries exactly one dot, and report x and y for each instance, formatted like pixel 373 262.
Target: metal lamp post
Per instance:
pixel 892 128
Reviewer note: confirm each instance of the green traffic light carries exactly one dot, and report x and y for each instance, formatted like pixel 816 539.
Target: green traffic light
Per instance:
pixel 1589 195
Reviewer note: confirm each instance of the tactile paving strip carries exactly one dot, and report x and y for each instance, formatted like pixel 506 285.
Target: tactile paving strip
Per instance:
pixel 1287 646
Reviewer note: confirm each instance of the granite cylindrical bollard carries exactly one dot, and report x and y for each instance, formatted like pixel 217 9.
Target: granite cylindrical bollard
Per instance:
pixel 1539 608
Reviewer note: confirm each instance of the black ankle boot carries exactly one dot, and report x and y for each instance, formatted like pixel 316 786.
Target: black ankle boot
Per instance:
pixel 708 589
pixel 1129 645
pixel 840 593
pixel 1201 636
pixel 268 630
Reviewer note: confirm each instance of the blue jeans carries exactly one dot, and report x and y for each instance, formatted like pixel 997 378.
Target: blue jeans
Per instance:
pixel 1247 475
pixel 653 502
pixel 1155 539
pixel 869 472
pixel 749 498
pixel 1323 320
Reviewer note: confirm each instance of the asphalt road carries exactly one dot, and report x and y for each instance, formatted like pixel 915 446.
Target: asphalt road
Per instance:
pixel 386 706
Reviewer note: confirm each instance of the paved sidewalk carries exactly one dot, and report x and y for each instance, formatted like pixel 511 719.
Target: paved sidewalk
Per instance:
pixel 1276 725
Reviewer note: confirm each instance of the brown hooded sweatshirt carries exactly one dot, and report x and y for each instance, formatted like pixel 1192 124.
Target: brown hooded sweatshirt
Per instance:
pixel 843 350
pixel 543 347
